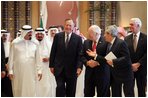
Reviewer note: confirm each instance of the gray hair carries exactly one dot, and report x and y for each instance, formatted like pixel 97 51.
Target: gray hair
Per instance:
pixel 95 29
pixel 136 21
pixel 112 29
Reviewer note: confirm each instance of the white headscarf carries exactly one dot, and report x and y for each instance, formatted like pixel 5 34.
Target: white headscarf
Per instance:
pixel 25 29
pixel 18 33
pixel 8 39
pixel 45 44
pixel 49 33
pixel 7 42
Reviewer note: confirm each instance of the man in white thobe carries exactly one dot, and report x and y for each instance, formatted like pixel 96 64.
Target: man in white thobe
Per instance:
pixel 24 64
pixel 51 32
pixel 47 86
pixel 6 40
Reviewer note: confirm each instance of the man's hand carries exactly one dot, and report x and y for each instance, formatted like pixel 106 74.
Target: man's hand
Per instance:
pixel 92 63
pixel 40 76
pixel 6 65
pixel 135 66
pixel 110 62
pixel 45 59
pixel 79 71
pixel 91 53
pixel 11 76
pixel 3 74
pixel 52 70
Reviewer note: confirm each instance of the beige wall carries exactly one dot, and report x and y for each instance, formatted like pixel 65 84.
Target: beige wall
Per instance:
pixel 83 17
pixel 129 9
pixel 35 14
pixel 126 10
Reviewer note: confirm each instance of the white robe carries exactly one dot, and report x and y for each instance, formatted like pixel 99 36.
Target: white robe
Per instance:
pixel 24 65
pixel 80 84
pixel 46 87
pixel 7 48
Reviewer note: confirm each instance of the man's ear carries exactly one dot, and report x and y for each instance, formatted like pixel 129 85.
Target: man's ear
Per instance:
pixel 138 25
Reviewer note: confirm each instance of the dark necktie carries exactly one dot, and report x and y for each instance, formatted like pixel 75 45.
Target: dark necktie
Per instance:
pixel 94 46
pixel 108 48
pixel 135 42
pixel 67 40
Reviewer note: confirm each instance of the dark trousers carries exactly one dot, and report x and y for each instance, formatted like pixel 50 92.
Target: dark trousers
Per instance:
pixel 141 84
pixel 6 87
pixel 94 81
pixel 116 88
pixel 66 86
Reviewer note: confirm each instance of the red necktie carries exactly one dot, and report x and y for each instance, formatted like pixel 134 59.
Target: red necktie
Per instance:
pixel 94 46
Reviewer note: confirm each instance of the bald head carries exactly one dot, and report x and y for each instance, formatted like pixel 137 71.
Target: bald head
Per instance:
pixel 135 25
pixel 94 32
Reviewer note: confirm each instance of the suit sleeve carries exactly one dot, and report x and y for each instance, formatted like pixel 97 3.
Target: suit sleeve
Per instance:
pixel 123 58
pixel 2 57
pixel 143 60
pixel 83 54
pixel 79 62
pixel 53 52
pixel 101 59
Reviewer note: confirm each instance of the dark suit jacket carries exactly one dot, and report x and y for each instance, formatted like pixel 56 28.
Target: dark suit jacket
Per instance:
pixel 141 53
pixel 103 70
pixel 67 59
pixel 2 56
pixel 122 65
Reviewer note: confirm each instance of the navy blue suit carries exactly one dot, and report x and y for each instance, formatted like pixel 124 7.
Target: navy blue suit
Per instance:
pixel 98 76
pixel 121 73
pixel 65 62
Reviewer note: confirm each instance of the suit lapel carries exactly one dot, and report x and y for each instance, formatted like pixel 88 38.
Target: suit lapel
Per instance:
pixel 114 45
pixel 139 41
pixel 90 44
pixel 100 41
pixel 62 40
pixel 131 42
pixel 71 41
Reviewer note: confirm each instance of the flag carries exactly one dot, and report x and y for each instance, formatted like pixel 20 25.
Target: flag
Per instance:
pixel 43 14
pixel 41 23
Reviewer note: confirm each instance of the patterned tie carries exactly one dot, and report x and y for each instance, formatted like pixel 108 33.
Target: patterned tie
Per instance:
pixel 94 46
pixel 135 42
pixel 67 40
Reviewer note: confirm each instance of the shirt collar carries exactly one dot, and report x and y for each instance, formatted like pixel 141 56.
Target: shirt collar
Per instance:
pixel 113 40
pixel 98 39
pixel 138 34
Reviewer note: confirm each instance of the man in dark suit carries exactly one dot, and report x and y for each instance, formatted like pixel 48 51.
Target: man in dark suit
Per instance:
pixel 3 68
pixel 5 81
pixel 97 74
pixel 120 66
pixel 121 72
pixel 65 61
pixel 137 44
